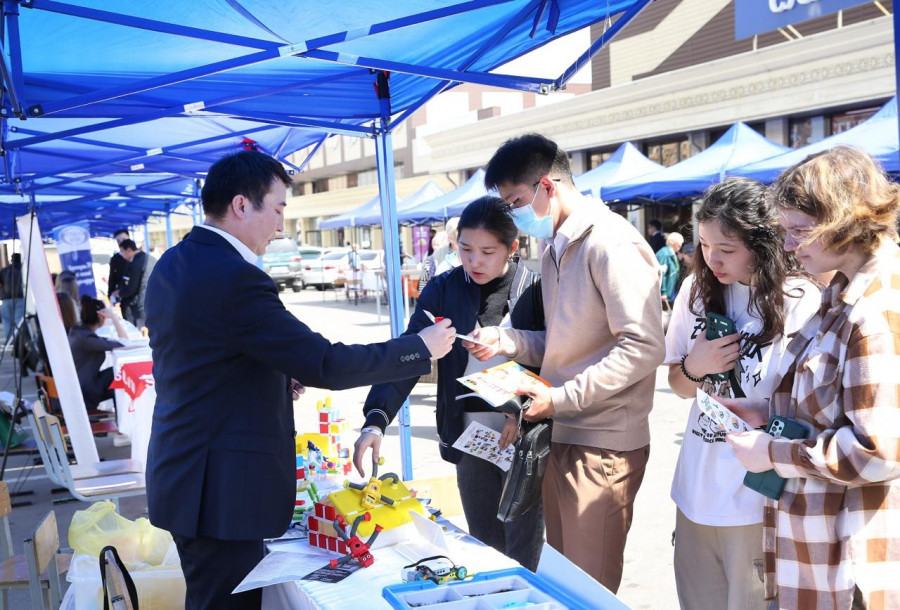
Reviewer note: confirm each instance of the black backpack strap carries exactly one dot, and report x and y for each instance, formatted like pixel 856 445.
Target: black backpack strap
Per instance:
pixel 119 583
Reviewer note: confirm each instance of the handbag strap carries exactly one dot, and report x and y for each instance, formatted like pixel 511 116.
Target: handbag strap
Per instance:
pixel 111 567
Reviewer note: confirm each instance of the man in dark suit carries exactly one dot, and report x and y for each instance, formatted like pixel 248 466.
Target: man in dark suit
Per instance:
pixel 655 237
pixel 118 266
pixel 221 465
pixel 133 287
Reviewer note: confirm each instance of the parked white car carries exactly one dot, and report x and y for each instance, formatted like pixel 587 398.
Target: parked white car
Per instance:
pixel 370 260
pixel 321 272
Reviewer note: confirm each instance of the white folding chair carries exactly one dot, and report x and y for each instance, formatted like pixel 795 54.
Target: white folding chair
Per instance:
pixel 41 553
pixel 105 487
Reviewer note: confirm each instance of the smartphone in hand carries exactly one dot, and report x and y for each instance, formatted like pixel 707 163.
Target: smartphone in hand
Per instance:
pixel 718 326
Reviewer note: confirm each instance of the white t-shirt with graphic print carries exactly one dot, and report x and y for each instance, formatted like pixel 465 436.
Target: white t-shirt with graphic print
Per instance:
pixel 708 484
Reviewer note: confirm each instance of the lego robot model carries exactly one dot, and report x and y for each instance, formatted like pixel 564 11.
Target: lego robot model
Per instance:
pixel 371 491
pixel 359 550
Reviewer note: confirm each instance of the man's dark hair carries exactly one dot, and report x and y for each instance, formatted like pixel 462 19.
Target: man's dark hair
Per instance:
pixel 120 231
pixel 653 222
pixel 526 159
pixel 249 173
pixel 128 244
pixel 16 258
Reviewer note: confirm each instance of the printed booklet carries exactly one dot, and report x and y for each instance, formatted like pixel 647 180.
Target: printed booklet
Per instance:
pixel 484 443
pixel 498 384
pixel 721 414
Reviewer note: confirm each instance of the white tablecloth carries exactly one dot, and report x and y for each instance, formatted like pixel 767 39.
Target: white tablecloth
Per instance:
pixel 135 417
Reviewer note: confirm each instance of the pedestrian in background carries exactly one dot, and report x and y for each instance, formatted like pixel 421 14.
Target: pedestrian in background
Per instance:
pixel 12 292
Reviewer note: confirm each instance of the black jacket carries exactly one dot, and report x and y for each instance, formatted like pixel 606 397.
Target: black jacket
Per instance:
pixel 118 267
pixel 89 352
pixel 221 462
pixel 453 295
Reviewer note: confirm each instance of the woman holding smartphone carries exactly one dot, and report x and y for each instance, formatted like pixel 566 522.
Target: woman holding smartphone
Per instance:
pixel 833 537
pixel 742 275
pixel 491 288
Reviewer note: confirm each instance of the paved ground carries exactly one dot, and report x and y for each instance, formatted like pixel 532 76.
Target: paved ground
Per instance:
pixel 648 581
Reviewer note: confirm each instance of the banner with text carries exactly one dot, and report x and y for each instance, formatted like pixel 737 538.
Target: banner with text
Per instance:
pixel 73 243
pixel 757 16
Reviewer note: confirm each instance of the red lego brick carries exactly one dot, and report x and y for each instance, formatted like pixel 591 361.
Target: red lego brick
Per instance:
pixel 332 544
pixel 320 510
pixel 301 473
pixel 330 513
pixel 313 525
pixel 342 547
pixel 313 539
pixel 324 416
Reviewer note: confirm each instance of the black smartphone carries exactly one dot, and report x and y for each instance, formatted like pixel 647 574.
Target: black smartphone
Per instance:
pixel 718 326
pixel 770 483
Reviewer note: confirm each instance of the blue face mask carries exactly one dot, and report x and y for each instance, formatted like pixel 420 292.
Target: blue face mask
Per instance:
pixel 527 222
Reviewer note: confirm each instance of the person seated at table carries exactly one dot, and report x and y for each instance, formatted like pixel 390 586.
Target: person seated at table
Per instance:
pixel 490 288
pixel 89 350
pixel 67 311
pixel 67 282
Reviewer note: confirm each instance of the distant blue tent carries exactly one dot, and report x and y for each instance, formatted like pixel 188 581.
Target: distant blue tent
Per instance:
pixel 738 146
pixel 624 164
pixel 369 213
pixel 877 136
pixel 449 205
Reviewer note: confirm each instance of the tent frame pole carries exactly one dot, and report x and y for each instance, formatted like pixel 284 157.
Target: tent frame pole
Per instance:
pixel 384 156
pixel 168 226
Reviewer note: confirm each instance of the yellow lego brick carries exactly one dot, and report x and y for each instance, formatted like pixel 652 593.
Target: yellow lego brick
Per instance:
pixel 348 502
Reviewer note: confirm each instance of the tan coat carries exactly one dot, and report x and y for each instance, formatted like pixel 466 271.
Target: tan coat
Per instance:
pixel 604 337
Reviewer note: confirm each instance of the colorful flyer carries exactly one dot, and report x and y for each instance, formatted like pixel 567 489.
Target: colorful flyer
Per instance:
pixel 498 384
pixel 482 442
pixel 721 414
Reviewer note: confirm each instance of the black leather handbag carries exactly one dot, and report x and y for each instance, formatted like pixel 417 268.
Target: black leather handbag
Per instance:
pixel 523 482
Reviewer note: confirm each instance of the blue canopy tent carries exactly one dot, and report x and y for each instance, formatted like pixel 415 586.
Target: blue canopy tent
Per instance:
pixel 448 205
pixel 624 164
pixel 369 213
pixel 427 192
pixel 878 136
pixel 737 146
pixel 256 61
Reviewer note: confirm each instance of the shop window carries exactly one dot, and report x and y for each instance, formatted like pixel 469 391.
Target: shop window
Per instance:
pixel 669 153
pixel 598 156
pixel 842 121
pixel 808 130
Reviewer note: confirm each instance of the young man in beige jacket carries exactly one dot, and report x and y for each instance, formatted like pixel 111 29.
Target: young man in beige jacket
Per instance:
pixel 603 344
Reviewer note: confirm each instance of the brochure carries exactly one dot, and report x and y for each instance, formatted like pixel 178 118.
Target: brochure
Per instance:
pixel 499 384
pixel 721 414
pixel 483 442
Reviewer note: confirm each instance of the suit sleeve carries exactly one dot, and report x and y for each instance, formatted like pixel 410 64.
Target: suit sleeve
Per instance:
pixel 385 399
pixel 259 325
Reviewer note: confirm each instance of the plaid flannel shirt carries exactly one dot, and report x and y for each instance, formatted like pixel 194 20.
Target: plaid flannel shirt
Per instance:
pixel 836 528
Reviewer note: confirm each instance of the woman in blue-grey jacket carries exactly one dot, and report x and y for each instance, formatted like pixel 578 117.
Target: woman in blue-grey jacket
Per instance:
pixel 490 288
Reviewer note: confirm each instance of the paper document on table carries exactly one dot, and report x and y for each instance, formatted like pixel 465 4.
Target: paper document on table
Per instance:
pixel 484 443
pixel 283 567
pixel 499 384
pixel 720 414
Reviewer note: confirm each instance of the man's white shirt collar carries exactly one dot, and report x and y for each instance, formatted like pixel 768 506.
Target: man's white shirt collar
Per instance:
pixel 240 246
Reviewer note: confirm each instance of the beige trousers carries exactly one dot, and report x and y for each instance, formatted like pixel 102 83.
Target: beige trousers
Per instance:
pixel 588 505
pixel 719 567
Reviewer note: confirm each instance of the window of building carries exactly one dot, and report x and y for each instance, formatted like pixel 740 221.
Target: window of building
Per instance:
pixel 313 238
pixel 367 177
pixel 808 130
pixel 669 152
pixel 320 185
pixel 842 121
pixel 598 155
pixel 352 180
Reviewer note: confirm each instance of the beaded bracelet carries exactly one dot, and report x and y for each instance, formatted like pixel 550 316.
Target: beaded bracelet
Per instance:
pixel 690 377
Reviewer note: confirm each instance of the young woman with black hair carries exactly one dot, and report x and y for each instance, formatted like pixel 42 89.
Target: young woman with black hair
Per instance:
pixel 743 273
pixel 89 350
pixel 490 288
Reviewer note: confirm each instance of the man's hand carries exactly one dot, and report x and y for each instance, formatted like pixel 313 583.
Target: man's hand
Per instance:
pixel 297 389
pixel 752 449
pixel 510 432
pixel 489 335
pixel 365 441
pixel 541 406
pixel 438 338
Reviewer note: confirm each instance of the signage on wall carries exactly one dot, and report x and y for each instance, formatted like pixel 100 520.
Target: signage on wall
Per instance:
pixel 757 16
